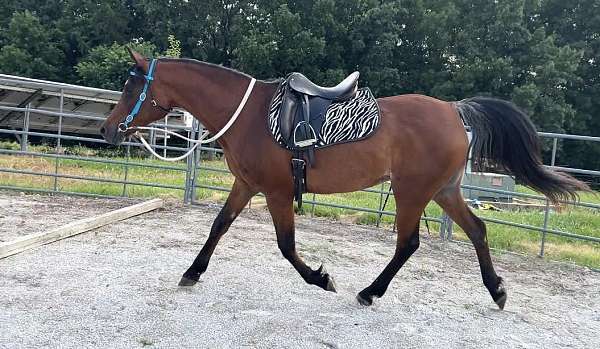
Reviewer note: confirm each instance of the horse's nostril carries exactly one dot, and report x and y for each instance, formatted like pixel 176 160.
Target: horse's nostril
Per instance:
pixel 102 130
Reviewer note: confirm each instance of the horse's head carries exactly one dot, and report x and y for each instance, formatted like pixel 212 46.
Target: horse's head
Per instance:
pixel 139 104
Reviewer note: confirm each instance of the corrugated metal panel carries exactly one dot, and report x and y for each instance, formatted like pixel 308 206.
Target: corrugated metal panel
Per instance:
pixel 44 96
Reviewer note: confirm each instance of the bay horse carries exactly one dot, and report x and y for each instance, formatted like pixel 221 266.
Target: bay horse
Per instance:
pixel 421 146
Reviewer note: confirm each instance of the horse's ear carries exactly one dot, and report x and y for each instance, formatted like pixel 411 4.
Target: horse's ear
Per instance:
pixel 139 60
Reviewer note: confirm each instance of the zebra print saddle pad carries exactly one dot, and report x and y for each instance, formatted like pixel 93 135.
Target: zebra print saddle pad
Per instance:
pixel 345 121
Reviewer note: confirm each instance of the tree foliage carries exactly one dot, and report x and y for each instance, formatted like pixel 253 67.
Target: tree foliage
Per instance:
pixel 542 54
pixel 106 66
pixel 21 52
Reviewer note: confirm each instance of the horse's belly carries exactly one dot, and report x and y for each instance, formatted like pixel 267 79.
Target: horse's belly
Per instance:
pixel 346 168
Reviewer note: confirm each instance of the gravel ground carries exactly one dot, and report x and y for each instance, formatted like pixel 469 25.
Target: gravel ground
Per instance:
pixel 18 210
pixel 116 287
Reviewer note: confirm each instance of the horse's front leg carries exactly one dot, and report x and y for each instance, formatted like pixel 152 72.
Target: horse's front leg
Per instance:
pixel 282 210
pixel 236 201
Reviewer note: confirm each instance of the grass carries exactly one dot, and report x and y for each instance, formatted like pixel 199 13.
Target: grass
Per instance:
pixel 582 221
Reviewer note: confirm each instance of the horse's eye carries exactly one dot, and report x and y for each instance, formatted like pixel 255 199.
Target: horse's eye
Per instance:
pixel 128 87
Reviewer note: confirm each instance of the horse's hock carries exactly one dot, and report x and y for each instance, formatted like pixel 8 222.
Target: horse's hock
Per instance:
pixel 116 287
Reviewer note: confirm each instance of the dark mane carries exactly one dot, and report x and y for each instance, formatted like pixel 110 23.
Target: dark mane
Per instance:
pixel 232 71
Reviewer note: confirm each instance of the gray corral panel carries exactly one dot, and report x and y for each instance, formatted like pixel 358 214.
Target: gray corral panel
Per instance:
pixel 84 108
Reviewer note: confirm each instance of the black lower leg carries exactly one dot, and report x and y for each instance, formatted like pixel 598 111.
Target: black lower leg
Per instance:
pixel 282 211
pixel 238 198
pixel 491 280
pixel 318 277
pixel 198 267
pixel 403 251
pixel 453 203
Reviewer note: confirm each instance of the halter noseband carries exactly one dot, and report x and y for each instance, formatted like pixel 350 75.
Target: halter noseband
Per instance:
pixel 124 126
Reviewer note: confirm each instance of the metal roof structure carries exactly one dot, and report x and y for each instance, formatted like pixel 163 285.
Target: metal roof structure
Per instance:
pixel 83 109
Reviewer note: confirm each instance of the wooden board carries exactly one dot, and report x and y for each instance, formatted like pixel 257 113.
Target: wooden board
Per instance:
pixel 257 202
pixel 37 239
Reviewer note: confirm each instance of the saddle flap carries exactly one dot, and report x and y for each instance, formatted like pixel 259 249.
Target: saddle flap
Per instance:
pixel 288 114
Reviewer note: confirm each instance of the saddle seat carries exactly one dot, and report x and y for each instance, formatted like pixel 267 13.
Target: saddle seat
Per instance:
pixel 304 105
pixel 344 90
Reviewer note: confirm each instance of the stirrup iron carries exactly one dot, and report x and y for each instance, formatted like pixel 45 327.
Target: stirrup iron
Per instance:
pixel 312 140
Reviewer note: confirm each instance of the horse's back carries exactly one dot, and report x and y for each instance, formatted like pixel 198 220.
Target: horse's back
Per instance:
pixel 415 106
pixel 420 113
pixel 427 129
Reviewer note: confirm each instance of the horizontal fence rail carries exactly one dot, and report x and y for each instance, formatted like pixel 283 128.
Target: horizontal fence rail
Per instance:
pixel 189 176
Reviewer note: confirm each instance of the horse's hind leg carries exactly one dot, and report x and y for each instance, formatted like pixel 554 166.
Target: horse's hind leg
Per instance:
pixel 451 200
pixel 282 210
pixel 409 207
pixel 236 201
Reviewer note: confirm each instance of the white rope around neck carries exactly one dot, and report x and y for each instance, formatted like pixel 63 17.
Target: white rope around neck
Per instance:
pixel 201 139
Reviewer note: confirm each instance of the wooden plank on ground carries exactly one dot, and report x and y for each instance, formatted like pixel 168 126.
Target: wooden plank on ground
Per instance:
pixel 37 239
pixel 257 202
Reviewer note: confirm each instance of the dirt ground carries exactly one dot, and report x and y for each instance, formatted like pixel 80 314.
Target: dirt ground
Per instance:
pixel 116 287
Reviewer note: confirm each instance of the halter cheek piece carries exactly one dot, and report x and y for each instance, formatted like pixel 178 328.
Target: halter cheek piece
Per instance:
pixel 124 126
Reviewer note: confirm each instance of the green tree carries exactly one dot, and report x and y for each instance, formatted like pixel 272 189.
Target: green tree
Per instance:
pixel 577 25
pixel 86 24
pixel 376 36
pixel 22 52
pixel 296 47
pixel 549 71
pixel 499 49
pixel 208 30
pixel 174 49
pixel 106 66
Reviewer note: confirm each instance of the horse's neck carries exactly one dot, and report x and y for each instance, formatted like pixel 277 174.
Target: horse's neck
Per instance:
pixel 210 93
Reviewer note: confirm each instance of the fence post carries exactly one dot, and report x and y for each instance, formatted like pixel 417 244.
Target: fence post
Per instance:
pixel 165 137
pixel 25 136
pixel 547 211
pixel 199 129
pixel 197 158
pixel 446 227
pixel 443 226
pixel 152 142
pixel 380 215
pixel 383 205
pixel 188 175
pixel 449 227
pixel 126 166
pixel 60 120
pixel 190 182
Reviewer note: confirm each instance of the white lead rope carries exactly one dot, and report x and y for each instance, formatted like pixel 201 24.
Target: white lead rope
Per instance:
pixel 200 140
pixel 149 148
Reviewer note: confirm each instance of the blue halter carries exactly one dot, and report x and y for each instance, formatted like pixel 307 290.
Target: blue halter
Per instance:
pixel 138 105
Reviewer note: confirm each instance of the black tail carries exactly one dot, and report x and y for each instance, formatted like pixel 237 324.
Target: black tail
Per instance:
pixel 505 138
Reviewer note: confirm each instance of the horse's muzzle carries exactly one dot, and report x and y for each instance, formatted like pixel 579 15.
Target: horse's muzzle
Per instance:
pixel 111 134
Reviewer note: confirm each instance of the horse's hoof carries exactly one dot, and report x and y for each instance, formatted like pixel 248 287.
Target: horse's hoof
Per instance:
pixel 501 295
pixel 501 301
pixel 330 284
pixel 186 282
pixel 364 300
